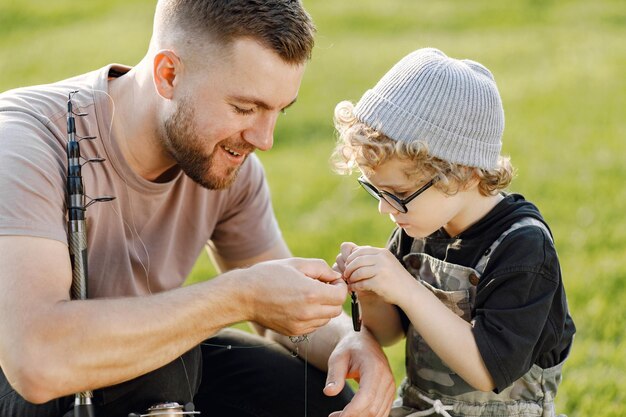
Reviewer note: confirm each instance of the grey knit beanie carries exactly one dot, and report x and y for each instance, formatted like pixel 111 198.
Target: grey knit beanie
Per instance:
pixel 451 105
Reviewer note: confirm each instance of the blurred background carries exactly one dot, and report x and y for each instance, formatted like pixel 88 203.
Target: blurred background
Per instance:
pixel 560 67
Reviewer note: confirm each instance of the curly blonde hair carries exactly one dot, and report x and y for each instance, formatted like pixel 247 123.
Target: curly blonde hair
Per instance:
pixel 359 146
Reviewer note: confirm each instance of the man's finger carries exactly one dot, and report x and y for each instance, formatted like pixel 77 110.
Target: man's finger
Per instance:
pixel 339 282
pixel 336 376
pixel 374 399
pixel 316 268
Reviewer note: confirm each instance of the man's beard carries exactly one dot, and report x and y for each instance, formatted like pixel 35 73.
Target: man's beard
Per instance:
pixel 184 145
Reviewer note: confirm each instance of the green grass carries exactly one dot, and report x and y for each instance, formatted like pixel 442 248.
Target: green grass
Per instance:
pixel 560 70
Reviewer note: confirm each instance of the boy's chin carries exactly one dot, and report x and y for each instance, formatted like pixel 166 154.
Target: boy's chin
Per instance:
pixel 414 232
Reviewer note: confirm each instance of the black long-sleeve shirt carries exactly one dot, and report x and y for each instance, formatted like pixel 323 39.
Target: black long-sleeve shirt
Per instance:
pixel 520 316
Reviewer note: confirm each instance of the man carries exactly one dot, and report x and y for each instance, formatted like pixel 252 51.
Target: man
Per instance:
pixel 178 131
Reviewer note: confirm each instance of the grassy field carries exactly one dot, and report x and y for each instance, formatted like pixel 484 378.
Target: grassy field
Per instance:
pixel 560 69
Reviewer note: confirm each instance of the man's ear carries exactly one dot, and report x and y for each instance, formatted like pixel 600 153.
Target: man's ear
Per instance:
pixel 166 69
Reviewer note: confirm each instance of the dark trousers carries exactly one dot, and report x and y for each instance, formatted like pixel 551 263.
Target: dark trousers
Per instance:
pixel 245 380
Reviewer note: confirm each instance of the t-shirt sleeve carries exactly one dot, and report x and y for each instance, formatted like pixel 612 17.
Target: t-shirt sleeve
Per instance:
pixel 513 304
pixel 32 177
pixel 248 226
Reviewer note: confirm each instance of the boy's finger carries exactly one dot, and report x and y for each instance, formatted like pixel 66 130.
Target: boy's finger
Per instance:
pixel 347 248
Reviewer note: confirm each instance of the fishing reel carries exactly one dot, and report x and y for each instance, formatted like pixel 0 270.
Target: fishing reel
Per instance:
pixel 168 410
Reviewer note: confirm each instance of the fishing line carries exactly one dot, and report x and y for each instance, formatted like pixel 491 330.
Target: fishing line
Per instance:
pixel 133 230
pixel 230 347
pixel 135 233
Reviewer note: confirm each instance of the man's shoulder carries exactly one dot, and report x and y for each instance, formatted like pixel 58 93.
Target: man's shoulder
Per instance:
pixel 48 102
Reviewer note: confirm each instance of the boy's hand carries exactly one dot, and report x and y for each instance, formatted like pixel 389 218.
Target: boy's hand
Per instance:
pixel 375 269
pixel 344 251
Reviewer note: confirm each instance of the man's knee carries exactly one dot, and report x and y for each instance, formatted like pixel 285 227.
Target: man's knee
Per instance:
pixel 245 374
pixel 177 381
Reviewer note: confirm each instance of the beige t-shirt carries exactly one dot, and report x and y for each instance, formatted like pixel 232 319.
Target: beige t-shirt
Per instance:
pixel 149 237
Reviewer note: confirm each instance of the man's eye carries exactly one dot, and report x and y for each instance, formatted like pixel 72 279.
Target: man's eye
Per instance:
pixel 240 110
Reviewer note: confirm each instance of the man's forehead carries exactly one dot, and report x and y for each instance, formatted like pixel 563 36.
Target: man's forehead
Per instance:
pixel 249 73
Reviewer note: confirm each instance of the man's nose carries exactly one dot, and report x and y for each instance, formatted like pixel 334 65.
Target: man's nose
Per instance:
pixel 261 133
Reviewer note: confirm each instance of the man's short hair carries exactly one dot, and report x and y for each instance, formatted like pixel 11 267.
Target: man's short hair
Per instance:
pixel 280 25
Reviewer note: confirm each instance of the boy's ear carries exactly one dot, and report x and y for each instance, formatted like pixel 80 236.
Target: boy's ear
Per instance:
pixel 474 178
pixel 166 71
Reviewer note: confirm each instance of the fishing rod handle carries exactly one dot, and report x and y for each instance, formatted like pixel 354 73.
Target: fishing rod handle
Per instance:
pixel 78 256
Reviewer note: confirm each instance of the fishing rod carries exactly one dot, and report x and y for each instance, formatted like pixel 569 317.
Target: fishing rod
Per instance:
pixel 77 229
pixel 77 203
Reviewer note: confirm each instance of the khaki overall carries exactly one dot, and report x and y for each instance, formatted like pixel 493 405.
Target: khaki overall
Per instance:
pixel 431 386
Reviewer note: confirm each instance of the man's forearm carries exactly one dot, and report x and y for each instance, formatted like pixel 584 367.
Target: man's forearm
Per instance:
pixel 98 343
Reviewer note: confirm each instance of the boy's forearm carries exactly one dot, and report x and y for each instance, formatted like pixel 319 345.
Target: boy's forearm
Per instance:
pixel 448 335
pixel 382 319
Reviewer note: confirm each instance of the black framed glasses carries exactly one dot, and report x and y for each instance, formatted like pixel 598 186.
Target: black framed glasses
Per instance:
pixel 395 202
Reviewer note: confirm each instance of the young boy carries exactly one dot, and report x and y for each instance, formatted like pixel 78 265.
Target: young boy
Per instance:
pixel 470 276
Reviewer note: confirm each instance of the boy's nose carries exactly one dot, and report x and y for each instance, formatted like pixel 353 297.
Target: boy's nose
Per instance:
pixel 385 208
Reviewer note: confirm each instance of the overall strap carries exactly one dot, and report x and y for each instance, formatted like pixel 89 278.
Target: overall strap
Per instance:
pixel 526 221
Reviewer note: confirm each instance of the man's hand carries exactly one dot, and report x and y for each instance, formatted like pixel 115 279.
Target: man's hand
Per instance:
pixel 294 296
pixel 358 356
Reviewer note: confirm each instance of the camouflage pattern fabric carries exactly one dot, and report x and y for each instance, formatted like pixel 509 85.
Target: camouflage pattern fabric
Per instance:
pixel 427 375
